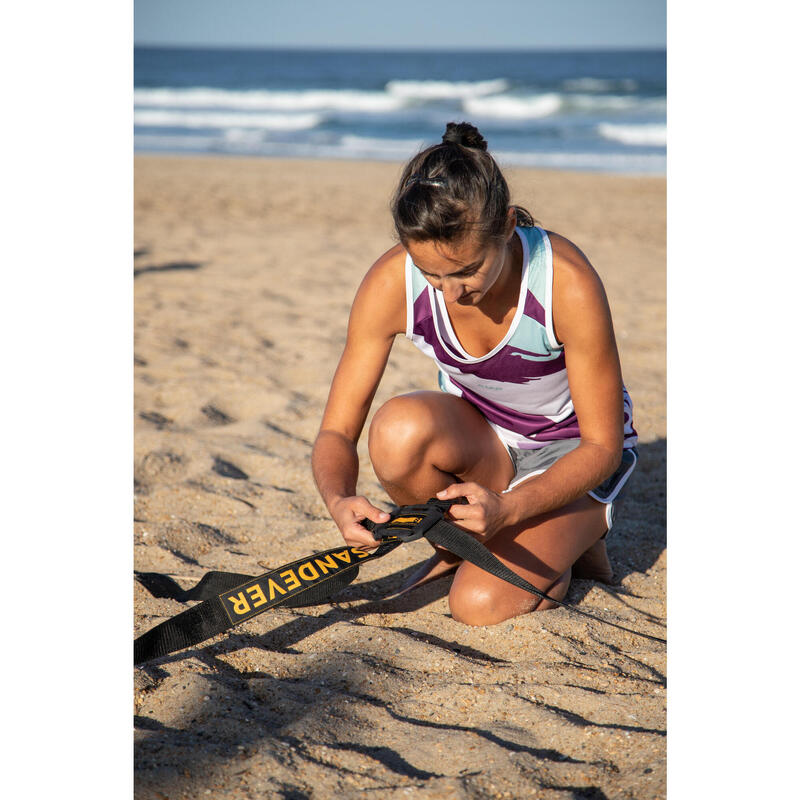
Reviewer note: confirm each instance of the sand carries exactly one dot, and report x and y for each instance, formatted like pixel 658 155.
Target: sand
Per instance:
pixel 244 271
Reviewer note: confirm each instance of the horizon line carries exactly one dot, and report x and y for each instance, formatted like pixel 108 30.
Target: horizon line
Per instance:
pixel 405 49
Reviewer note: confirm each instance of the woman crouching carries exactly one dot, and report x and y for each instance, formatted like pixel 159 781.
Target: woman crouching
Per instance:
pixel 532 425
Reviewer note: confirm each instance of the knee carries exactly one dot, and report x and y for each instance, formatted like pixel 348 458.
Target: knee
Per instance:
pixel 399 436
pixel 478 605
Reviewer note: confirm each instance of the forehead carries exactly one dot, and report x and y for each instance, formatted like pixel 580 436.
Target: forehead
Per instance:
pixel 446 258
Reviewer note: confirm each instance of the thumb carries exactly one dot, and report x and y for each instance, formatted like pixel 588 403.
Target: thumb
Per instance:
pixel 374 514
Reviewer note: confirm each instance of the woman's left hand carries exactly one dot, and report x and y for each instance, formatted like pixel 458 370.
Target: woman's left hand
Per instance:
pixel 486 514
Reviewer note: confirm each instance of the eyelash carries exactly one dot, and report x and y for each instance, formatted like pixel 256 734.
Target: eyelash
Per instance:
pixel 462 275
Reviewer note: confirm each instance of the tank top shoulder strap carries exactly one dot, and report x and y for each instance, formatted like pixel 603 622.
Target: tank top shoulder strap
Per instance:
pixel 540 281
pixel 416 286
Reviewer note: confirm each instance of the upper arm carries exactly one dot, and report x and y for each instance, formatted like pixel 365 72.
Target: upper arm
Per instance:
pixel 582 321
pixel 378 314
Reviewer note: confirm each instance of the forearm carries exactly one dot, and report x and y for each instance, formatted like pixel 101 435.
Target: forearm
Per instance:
pixel 334 464
pixel 571 477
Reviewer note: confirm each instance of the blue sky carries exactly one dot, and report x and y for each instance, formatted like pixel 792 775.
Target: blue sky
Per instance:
pixel 535 24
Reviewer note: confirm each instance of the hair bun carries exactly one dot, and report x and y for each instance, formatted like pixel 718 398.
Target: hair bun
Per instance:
pixel 464 134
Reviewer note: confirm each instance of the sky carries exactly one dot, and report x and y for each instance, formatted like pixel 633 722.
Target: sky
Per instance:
pixel 438 24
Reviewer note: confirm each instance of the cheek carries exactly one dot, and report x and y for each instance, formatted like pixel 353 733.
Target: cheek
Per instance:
pixel 493 272
pixel 482 281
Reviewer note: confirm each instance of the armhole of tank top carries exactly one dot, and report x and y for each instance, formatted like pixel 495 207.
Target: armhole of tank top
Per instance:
pixel 548 292
pixel 409 297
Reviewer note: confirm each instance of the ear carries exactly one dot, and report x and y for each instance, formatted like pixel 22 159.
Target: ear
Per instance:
pixel 511 222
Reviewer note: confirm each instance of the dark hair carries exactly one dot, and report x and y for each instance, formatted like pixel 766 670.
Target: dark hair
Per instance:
pixel 453 189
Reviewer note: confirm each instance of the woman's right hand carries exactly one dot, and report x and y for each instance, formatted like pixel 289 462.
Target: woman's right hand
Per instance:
pixel 348 512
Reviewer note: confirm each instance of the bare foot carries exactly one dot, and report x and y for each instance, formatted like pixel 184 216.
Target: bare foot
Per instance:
pixel 558 591
pixel 594 564
pixel 441 563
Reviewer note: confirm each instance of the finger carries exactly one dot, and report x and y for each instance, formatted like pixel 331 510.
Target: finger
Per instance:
pixel 469 511
pixel 359 537
pixel 456 490
pixel 357 544
pixel 453 491
pixel 363 548
pixel 364 509
pixel 470 526
pixel 376 514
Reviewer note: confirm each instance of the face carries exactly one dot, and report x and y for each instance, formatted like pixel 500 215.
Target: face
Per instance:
pixel 463 272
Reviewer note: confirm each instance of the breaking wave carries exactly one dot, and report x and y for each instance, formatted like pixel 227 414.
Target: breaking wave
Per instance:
pixel 445 90
pixel 220 119
pixel 653 135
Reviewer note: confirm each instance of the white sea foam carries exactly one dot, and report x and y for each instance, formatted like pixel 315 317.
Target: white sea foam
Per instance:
pixel 602 102
pixel 443 90
pixel 217 119
pixel 634 134
pixel 348 147
pixel 367 147
pixel 514 107
pixel 520 107
pixel 651 164
pixel 173 144
pixel 244 138
pixel 615 102
pixel 398 150
pixel 266 100
pixel 600 84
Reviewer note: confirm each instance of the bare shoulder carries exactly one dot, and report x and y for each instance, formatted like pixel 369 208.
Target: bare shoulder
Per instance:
pixel 569 260
pixel 578 293
pixel 381 297
pixel 388 272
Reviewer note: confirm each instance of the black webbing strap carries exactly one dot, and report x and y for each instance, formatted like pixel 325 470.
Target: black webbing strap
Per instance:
pixel 228 600
pixel 213 583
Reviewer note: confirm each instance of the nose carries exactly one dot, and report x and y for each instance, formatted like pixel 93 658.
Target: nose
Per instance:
pixel 451 289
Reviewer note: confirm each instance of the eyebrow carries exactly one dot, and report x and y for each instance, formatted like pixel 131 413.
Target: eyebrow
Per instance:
pixel 473 265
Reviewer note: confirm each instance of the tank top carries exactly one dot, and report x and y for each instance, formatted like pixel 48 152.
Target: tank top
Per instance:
pixel 520 386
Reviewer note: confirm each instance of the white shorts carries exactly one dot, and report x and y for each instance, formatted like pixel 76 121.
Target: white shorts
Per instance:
pixel 528 463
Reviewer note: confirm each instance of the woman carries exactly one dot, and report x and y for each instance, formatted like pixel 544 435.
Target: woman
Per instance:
pixel 533 425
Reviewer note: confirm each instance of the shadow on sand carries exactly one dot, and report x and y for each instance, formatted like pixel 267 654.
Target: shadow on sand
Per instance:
pixel 265 709
pixel 173 266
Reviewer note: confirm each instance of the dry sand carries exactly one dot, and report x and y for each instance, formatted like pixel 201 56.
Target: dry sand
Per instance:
pixel 244 274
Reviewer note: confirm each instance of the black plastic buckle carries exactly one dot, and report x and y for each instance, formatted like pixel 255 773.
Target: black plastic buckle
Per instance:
pixel 408 523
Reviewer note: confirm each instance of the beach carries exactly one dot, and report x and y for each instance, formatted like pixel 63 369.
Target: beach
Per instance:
pixel 244 272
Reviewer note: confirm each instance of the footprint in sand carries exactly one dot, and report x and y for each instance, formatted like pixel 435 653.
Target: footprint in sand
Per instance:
pixel 159 420
pixel 228 470
pixel 216 416
pixel 160 464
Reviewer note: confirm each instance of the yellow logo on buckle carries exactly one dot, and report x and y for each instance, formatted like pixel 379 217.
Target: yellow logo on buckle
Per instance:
pixel 405 521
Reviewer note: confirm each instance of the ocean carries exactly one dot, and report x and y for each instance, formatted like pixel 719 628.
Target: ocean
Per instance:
pixel 598 111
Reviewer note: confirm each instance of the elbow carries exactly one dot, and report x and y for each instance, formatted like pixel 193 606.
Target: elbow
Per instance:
pixel 608 457
pixel 613 457
pixel 331 437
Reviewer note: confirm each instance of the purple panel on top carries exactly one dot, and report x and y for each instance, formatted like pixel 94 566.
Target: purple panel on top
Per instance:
pixel 506 366
pixel 534 309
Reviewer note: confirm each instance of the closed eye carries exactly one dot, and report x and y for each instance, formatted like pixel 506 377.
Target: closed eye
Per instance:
pixel 464 273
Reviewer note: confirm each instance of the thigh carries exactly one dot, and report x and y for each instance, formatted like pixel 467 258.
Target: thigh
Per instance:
pixel 439 430
pixel 542 552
